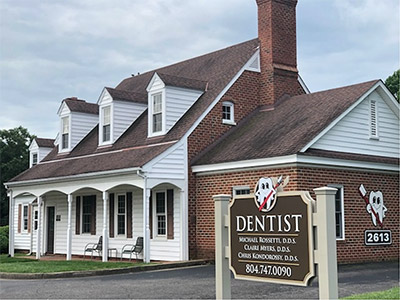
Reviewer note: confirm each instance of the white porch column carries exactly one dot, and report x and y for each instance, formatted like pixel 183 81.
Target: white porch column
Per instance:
pixel 69 232
pixel 39 229
pixel 105 230
pixel 146 224
pixel 184 226
pixel 11 221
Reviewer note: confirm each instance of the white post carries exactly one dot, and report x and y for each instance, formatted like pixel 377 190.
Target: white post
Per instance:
pixel 184 226
pixel 105 231
pixel 39 229
pixel 326 243
pixel 222 273
pixel 69 232
pixel 11 231
pixel 146 223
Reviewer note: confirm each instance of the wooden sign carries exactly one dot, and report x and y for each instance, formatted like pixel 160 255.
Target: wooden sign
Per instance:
pixel 274 244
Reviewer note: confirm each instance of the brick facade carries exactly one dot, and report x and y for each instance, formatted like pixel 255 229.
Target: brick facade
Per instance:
pixel 357 220
pixel 244 94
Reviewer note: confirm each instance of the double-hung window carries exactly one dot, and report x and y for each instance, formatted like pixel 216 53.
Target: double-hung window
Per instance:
pixel 35 220
pixel 161 214
pixel 339 211
pixel 121 214
pixel 106 124
pixel 157 113
pixel 65 133
pixel 34 159
pixel 88 213
pixel 25 218
pixel 228 114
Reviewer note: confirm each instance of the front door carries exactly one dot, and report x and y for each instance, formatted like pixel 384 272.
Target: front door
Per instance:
pixel 50 229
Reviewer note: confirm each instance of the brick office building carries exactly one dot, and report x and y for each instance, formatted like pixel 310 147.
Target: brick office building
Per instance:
pixel 146 159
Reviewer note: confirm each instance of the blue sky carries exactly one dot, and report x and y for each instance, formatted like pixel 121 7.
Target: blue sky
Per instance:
pixel 51 49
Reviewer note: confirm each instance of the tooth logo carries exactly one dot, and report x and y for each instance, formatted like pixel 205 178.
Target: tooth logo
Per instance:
pixel 375 206
pixel 265 192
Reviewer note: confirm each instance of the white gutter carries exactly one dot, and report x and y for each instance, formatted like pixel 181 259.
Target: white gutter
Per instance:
pixel 74 177
pixel 291 159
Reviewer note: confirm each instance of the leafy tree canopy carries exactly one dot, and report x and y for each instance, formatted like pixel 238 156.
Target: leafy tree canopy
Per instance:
pixel 393 83
pixel 14 158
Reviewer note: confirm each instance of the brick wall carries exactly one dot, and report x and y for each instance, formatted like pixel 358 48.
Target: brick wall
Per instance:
pixel 244 94
pixel 357 220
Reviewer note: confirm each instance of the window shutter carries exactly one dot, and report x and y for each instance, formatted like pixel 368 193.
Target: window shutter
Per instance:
pixel 129 215
pixel 78 215
pixel 111 215
pixel 170 214
pixel 29 217
pixel 19 217
pixel 93 216
pixel 151 216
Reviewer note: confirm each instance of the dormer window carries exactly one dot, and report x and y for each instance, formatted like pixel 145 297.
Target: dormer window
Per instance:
pixel 157 112
pixel 65 133
pixel 106 124
pixel 34 159
pixel 228 115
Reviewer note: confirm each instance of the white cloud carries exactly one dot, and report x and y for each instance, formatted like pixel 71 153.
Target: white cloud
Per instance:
pixel 52 49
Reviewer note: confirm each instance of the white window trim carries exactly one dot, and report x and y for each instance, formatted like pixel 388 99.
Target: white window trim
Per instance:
pixel 23 230
pixel 35 218
pixel 163 114
pixel 101 113
pixel 237 188
pixel 155 219
pixel 81 213
pixel 371 135
pixel 116 235
pixel 61 149
pixel 341 187
pixel 31 158
pixel 231 121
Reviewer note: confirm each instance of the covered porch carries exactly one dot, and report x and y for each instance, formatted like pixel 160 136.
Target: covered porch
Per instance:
pixel 68 214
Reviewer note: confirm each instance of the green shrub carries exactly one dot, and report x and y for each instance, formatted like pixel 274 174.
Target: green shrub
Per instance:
pixel 4 239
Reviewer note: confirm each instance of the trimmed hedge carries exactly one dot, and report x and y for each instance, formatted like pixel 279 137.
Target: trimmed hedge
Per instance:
pixel 4 239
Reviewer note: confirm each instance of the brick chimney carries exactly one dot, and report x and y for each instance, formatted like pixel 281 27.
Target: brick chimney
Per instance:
pixel 277 36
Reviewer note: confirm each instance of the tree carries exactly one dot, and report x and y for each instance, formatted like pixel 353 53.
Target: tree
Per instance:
pixel 392 83
pixel 14 158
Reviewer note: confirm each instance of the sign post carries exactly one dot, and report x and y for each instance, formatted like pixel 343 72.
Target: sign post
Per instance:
pixel 326 243
pixel 222 274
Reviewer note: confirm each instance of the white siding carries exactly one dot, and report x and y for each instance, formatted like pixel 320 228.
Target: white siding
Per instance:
pixel 170 166
pixel 352 133
pixel 124 114
pixel 22 240
pixel 43 153
pixel 157 84
pixel 162 248
pixel 105 98
pixel 81 125
pixel 178 101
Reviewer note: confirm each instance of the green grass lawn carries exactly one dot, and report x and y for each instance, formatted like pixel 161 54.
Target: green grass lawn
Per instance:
pixel 19 264
pixel 393 293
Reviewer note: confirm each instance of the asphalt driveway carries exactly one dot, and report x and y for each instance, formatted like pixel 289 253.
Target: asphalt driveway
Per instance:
pixel 194 283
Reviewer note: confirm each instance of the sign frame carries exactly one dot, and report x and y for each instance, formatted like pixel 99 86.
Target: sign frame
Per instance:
pixel 310 207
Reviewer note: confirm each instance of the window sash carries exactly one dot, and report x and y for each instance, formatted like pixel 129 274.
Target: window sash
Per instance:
pixel 157 122
pixel 161 213
pixel 86 215
pixel 35 220
pixel 64 140
pixel 106 115
pixel 25 217
pixel 106 133
pixel 226 112
pixel 65 125
pixel 157 103
pixel 34 159
pixel 121 214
